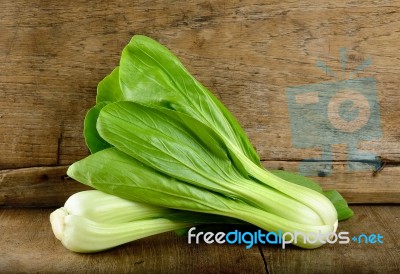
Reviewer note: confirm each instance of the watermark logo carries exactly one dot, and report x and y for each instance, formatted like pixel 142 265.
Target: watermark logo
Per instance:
pixel 343 111
pixel 249 239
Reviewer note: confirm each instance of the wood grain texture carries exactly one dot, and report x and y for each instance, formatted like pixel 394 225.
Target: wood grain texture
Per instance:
pixel 37 186
pixel 52 55
pixel 35 250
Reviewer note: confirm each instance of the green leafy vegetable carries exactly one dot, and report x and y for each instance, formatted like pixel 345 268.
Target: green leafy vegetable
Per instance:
pixel 157 136
pixel 149 73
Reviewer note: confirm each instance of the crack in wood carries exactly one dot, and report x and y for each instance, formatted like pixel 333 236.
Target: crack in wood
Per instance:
pixel 263 258
pixel 138 262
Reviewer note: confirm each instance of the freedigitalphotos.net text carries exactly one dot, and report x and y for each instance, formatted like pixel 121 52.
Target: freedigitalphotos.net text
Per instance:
pixel 252 238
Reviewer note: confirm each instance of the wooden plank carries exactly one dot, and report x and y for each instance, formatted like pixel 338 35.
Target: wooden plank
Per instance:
pixel 35 250
pixel 249 53
pixel 347 258
pixel 38 186
pixel 356 186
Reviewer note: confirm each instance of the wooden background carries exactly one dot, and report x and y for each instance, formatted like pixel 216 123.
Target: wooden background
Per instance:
pixel 53 54
pixel 38 251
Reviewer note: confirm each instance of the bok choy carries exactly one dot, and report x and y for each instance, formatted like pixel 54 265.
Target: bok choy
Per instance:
pixel 159 137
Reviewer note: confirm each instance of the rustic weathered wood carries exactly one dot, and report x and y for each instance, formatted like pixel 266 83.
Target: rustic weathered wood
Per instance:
pixel 39 186
pixel 28 245
pixel 349 258
pixel 52 55
pixel 356 187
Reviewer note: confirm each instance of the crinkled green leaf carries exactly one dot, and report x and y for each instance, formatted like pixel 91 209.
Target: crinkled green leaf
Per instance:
pixel 151 74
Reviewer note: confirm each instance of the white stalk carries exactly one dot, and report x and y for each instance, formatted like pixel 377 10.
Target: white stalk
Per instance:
pixel 80 234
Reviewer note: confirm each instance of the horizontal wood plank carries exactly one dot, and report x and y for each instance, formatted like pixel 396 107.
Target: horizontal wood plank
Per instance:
pixel 36 250
pixel 253 55
pixel 38 186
